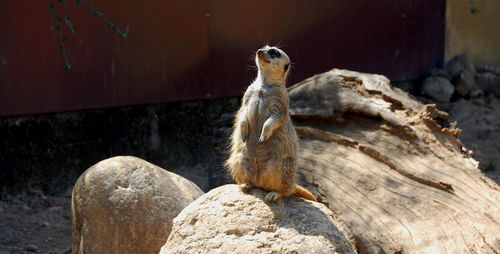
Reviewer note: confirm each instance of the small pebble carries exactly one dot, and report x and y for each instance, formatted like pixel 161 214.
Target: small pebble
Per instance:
pixel 26 208
pixel 32 248
pixel 55 208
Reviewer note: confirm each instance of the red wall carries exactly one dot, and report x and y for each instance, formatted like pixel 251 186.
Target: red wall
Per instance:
pixel 196 49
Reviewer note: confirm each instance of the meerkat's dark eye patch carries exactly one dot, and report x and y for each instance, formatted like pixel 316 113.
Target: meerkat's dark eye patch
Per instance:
pixel 273 53
pixel 286 67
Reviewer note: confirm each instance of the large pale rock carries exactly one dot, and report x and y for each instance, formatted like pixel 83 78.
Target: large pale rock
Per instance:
pixel 226 220
pixel 126 205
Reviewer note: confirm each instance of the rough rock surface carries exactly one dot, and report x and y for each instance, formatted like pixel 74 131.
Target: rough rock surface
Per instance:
pixel 462 74
pixel 440 73
pixel 489 82
pixel 126 205
pixel 465 83
pixel 392 168
pixel 438 88
pixel 459 64
pixel 226 220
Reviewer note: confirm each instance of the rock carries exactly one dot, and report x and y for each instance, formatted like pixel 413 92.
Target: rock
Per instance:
pixel 66 251
pixel 441 73
pixel 32 248
pixel 494 69
pixel 476 93
pixel 37 192
pixel 27 208
pixel 465 83
pixel 488 82
pixel 230 221
pixel 126 205
pixel 462 73
pixel 458 65
pixel 55 208
pixel 438 88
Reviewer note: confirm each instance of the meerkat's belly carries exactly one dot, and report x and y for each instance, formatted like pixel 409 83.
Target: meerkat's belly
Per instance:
pixel 258 110
pixel 257 114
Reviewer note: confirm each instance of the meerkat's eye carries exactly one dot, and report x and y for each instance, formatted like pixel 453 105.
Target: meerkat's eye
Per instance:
pixel 286 67
pixel 273 53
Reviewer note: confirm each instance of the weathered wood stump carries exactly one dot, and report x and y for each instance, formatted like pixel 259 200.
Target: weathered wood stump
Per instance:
pixel 393 168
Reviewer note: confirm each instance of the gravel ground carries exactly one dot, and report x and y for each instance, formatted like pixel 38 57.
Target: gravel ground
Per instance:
pixel 31 222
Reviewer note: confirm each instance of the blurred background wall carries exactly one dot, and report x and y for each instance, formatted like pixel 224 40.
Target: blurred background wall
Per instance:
pixel 125 52
pixel 473 27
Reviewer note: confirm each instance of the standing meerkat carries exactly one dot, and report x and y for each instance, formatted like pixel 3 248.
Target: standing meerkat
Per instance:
pixel 264 142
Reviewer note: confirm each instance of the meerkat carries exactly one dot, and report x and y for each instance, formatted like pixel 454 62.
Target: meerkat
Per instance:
pixel 263 150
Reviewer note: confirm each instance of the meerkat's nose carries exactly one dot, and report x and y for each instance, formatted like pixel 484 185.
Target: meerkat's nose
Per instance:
pixel 273 53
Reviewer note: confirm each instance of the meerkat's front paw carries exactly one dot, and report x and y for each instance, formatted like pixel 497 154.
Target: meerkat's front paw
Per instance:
pixel 244 130
pixel 262 139
pixel 272 196
pixel 246 187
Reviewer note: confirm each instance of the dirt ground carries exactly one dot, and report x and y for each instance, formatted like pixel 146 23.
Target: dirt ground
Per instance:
pixel 479 120
pixel 31 222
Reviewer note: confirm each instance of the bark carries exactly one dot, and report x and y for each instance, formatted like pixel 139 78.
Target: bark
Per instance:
pixel 392 168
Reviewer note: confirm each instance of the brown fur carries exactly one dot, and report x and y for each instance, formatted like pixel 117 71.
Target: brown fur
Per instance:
pixel 264 142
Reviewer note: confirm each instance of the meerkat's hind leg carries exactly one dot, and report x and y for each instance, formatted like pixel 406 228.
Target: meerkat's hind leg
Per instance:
pixel 245 187
pixel 272 196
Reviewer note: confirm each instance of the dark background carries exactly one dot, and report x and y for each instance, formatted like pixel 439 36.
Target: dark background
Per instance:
pixel 199 49
pixel 166 91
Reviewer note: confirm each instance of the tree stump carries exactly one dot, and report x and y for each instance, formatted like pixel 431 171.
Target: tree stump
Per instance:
pixel 392 168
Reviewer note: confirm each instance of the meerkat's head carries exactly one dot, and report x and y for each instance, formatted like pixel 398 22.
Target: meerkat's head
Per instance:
pixel 273 65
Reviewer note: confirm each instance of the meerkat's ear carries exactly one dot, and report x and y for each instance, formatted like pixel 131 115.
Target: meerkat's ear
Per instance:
pixel 286 67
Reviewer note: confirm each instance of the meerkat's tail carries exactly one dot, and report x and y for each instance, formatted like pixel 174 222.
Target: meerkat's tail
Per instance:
pixel 304 193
